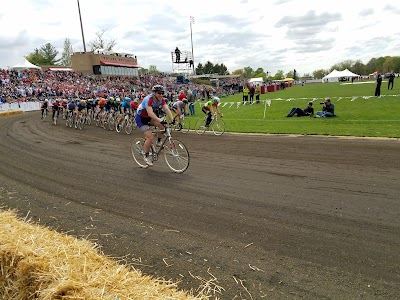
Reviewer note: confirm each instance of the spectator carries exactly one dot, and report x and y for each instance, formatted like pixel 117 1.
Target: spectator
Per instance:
pixel 391 80
pixel 308 111
pixel 245 94
pixel 177 55
pixel 378 85
pixel 252 91
pixel 328 109
pixel 258 93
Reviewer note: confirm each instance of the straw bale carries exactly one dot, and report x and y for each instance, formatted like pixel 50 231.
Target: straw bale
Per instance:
pixel 37 263
pixel 10 113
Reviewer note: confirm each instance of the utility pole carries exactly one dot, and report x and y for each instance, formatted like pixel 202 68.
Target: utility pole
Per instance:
pixel 83 37
pixel 191 38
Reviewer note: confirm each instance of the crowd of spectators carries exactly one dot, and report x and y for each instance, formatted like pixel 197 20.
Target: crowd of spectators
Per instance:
pixel 36 85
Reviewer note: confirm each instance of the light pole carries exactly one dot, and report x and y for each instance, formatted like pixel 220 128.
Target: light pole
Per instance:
pixel 83 37
pixel 191 39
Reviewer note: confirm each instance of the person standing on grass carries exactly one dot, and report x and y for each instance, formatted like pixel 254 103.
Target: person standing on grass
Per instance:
pixel 391 80
pixel 378 85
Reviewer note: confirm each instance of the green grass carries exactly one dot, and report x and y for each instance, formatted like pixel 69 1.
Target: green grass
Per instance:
pixel 358 114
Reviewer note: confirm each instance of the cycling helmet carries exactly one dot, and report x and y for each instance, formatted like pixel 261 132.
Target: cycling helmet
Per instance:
pixel 83 102
pixel 216 99
pixel 118 99
pixel 111 99
pixel 127 99
pixel 185 100
pixel 46 100
pixel 158 88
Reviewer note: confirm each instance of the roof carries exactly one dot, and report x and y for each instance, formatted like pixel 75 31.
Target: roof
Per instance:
pixel 109 63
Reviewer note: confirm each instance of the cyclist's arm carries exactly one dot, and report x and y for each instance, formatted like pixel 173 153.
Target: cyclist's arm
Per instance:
pixel 151 114
pixel 167 111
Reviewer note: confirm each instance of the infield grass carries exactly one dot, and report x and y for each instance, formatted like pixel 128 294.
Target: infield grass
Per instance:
pixel 358 112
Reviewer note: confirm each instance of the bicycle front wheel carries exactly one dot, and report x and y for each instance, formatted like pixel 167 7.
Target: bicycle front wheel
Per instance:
pixel 138 153
pixel 176 155
pixel 199 126
pixel 218 126
pixel 128 127
pixel 185 126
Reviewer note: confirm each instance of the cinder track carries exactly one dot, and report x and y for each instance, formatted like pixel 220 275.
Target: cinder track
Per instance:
pixel 271 217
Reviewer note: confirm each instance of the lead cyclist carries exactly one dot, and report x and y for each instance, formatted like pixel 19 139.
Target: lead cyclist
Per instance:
pixel 146 117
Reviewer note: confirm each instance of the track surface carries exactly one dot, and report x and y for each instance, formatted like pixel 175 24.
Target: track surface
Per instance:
pixel 271 217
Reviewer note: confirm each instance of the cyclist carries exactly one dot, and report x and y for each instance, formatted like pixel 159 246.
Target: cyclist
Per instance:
pixel 124 109
pixel 56 108
pixel 179 108
pixel 45 106
pixel 80 108
pixel 209 107
pixel 71 107
pixel 134 105
pixel 147 117
pixel 109 104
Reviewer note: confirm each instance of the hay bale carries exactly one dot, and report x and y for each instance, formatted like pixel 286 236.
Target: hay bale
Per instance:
pixel 37 263
pixel 8 113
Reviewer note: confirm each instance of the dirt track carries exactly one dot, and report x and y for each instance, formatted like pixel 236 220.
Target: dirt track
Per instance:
pixel 271 217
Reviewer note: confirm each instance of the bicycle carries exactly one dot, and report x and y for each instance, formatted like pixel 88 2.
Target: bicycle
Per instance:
pixel 44 115
pixel 128 123
pixel 183 125
pixel 176 154
pixel 217 125
pixel 70 119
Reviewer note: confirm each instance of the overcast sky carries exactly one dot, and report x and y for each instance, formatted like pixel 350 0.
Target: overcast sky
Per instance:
pixel 305 35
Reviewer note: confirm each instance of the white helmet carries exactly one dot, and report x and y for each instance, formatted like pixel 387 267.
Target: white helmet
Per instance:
pixel 216 99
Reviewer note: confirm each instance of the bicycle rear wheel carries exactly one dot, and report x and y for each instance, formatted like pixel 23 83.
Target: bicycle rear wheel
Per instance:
pixel 199 126
pixel 176 155
pixel 218 126
pixel 138 153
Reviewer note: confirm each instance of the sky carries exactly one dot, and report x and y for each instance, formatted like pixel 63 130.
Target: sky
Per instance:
pixel 274 35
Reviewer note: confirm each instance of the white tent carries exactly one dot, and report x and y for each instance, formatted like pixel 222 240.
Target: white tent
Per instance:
pixel 25 65
pixel 335 75
pixel 257 80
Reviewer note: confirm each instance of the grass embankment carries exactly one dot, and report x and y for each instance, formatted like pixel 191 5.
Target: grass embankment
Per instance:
pixel 358 112
pixel 37 263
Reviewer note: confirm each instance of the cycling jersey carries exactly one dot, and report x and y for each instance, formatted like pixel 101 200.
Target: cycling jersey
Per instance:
pixel 102 103
pixel 149 100
pixel 125 105
pixel 210 103
pixel 81 106
pixel 179 104
pixel 71 106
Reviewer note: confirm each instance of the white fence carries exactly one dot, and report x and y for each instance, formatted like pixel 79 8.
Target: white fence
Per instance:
pixel 25 106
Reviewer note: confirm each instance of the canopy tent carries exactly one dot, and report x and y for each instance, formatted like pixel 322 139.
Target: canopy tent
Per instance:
pixel 257 80
pixel 25 65
pixel 335 75
pixel 288 79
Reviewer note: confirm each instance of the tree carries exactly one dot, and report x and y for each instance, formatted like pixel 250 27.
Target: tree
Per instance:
pixel 278 75
pixel 49 53
pixel 66 55
pixel 200 69
pixel 248 72
pixel 35 57
pixel 46 55
pixel 101 43
pixel 208 68
pixel 153 69
pixel 320 73
pixel 238 72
